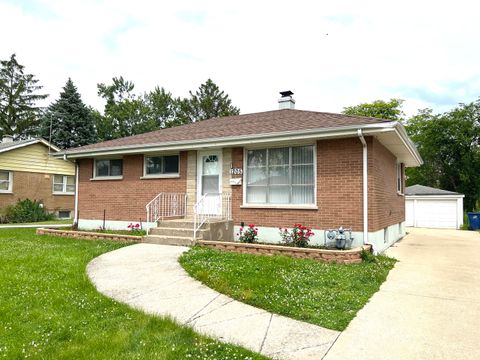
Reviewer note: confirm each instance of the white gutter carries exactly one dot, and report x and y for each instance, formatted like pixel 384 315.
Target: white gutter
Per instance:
pixel 75 216
pixel 365 190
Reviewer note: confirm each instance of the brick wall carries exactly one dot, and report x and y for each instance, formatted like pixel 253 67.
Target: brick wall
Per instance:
pixel 386 207
pixel 124 199
pixel 36 186
pixel 339 190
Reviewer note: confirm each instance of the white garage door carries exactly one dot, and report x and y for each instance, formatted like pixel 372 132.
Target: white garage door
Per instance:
pixel 431 213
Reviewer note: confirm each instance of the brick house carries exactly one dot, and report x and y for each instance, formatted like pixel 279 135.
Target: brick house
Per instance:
pixel 29 171
pixel 273 169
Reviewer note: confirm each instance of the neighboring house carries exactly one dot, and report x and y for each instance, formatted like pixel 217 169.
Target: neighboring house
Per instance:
pixel 29 171
pixel 433 208
pixel 273 169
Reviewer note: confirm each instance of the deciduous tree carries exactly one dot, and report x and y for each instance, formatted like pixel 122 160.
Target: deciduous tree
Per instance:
pixel 390 110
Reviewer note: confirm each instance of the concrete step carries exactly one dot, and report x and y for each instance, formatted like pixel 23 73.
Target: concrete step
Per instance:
pixel 182 232
pixel 177 224
pixel 168 240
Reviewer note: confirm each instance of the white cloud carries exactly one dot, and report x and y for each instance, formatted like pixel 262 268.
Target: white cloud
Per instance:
pixel 330 54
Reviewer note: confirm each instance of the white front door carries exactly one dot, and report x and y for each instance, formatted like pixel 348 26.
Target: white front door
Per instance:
pixel 209 181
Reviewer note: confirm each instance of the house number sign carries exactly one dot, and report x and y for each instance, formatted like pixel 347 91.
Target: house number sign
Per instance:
pixel 236 171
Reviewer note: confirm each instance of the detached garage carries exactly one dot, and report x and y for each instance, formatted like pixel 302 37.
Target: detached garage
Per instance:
pixel 433 208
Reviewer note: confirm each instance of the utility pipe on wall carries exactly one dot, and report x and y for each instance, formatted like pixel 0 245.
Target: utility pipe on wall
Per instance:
pixel 365 188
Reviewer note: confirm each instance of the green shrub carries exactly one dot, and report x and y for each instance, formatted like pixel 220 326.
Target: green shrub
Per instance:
pixel 27 211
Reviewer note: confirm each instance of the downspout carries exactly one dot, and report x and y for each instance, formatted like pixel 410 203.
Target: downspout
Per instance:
pixel 75 216
pixel 365 190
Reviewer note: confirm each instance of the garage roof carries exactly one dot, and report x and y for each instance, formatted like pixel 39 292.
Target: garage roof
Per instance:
pixel 427 190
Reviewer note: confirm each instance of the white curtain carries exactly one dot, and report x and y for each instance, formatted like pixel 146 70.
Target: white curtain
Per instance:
pixel 281 175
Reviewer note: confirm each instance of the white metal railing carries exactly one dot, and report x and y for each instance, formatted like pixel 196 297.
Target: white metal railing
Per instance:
pixel 211 206
pixel 166 205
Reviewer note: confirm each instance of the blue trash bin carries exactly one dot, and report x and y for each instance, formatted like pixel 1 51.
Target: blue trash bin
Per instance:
pixel 473 220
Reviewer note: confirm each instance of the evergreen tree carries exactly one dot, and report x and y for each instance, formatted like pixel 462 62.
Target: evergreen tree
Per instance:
pixel 19 114
pixel 207 102
pixel 70 120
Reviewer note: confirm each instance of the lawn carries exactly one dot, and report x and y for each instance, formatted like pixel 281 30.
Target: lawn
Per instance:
pixel 328 295
pixel 50 310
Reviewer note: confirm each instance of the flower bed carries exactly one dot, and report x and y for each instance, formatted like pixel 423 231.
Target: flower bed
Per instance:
pixel 352 256
pixel 87 235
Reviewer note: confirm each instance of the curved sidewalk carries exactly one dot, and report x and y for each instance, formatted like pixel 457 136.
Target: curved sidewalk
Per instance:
pixel 148 277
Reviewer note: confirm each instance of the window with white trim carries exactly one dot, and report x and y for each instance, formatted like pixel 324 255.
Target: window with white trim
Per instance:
pixel 63 184
pixel 108 168
pixel 161 165
pixel 5 181
pixel 281 176
pixel 400 178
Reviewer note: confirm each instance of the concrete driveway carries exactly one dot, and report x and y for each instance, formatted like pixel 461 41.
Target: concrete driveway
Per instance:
pixel 429 307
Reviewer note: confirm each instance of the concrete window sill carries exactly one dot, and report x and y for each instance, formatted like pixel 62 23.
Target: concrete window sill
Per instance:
pixel 106 178
pixel 6 192
pixel 63 193
pixel 165 176
pixel 272 206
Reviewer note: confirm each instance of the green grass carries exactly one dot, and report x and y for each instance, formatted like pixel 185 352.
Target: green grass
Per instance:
pixel 49 222
pixel 50 310
pixel 328 295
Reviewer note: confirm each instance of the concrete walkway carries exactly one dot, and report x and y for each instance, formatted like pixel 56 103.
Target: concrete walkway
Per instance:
pixel 429 307
pixel 148 277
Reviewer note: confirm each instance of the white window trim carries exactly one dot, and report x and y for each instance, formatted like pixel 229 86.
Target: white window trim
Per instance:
pixel 116 177
pixel 159 176
pixel 399 176
pixel 64 185
pixel 313 206
pixel 10 183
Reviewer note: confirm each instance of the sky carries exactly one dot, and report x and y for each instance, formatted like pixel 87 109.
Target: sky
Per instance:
pixel 331 54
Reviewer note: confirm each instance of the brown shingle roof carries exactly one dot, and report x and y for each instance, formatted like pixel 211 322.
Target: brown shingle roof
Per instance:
pixel 276 121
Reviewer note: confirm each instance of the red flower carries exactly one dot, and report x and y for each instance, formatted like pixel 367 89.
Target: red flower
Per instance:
pixel 137 226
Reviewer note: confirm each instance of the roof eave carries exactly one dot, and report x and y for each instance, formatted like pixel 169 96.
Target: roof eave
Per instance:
pixel 345 131
pixel 435 196
pixel 32 142
pixel 402 133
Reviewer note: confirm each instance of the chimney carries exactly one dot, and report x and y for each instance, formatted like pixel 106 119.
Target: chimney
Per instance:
pixel 286 101
pixel 7 139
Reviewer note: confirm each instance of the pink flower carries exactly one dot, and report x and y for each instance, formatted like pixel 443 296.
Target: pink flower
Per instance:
pixel 137 226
